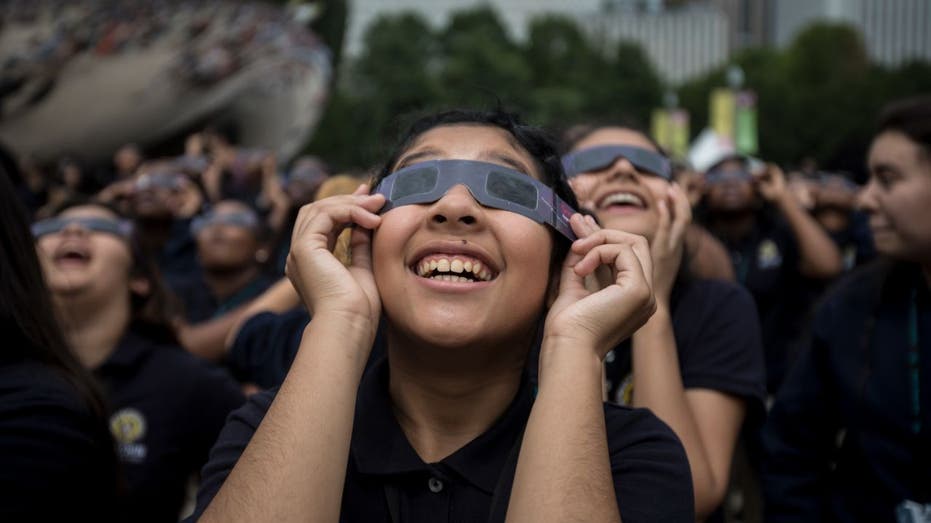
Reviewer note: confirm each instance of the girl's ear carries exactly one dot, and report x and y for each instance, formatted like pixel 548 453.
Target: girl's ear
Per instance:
pixel 140 286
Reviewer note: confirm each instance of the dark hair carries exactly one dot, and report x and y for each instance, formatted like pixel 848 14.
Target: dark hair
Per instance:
pixel 150 314
pixel 30 329
pixel 537 143
pixel 911 117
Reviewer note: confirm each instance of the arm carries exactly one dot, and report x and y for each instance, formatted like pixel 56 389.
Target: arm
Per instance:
pixel 294 467
pixel 212 339
pixel 564 470
pixel 707 422
pixel 818 256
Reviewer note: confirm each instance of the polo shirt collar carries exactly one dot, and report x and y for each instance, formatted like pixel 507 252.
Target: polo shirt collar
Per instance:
pixel 379 446
pixel 129 351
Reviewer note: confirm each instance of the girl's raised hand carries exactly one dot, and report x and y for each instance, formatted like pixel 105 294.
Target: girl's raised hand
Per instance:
pixel 602 318
pixel 326 286
pixel 675 215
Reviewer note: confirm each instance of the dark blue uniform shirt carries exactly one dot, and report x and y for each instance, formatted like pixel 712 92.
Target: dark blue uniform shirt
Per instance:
pixel 717 341
pixel 57 461
pixel 201 305
pixel 840 441
pixel 167 408
pixel 386 480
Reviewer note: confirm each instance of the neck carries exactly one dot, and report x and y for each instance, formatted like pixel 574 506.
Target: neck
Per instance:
pixel 443 405
pixel 226 282
pixel 734 226
pixel 93 329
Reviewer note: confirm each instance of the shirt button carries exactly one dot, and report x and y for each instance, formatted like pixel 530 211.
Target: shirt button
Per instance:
pixel 435 485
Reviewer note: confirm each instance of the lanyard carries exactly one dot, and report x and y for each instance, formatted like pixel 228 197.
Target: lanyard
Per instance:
pixel 914 362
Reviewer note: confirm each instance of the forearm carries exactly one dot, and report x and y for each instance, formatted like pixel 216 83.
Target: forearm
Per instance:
pixel 295 464
pixel 818 256
pixel 657 382
pixel 564 471
pixel 208 339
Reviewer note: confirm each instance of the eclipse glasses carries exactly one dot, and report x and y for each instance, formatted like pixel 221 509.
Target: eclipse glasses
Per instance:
pixel 247 220
pixel 597 158
pixel 490 184
pixel 121 228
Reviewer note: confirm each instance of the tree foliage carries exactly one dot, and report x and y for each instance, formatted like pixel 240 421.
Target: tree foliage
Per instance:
pixel 816 98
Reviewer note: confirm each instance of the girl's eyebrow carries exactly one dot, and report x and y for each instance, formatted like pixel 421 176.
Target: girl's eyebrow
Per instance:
pixel 411 158
pixel 509 160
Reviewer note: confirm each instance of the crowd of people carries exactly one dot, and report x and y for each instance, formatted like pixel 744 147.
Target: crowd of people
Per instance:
pixel 213 39
pixel 492 325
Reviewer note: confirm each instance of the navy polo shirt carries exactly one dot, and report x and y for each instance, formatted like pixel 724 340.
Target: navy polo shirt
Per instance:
pixel 56 459
pixel 178 259
pixel 167 408
pixel 718 344
pixel 268 342
pixel 840 443
pixel 201 305
pixel 386 480
pixel 766 263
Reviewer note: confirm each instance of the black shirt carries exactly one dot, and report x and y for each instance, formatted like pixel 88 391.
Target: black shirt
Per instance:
pixel 766 263
pixel 266 345
pixel 651 475
pixel 167 409
pixel 201 305
pixel 57 461
pixel 840 443
pixel 717 341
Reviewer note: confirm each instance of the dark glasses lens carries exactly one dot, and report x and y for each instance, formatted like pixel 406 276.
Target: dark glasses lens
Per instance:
pixel 515 189
pixel 415 181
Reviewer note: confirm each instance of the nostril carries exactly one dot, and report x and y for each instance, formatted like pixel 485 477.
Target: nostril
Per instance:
pixel 439 218
pixel 468 220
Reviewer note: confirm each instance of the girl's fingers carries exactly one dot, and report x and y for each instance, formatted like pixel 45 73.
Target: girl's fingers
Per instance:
pixel 683 214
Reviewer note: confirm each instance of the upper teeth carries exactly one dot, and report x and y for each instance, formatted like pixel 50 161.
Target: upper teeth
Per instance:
pixel 623 198
pixel 443 266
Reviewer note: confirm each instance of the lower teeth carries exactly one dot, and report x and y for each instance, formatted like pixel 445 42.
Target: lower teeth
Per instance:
pixel 449 277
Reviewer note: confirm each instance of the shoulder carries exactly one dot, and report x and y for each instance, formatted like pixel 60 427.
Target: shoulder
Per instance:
pixel 34 384
pixel 856 291
pixel 629 427
pixel 718 339
pixel 648 464
pixel 706 296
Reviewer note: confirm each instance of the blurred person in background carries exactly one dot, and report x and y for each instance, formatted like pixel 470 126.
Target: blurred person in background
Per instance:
pixel 162 202
pixel 849 435
pixel 231 249
pixel 698 361
pixel 294 191
pixel 261 347
pixel 57 456
pixel 126 160
pixel 166 407
pixel 773 242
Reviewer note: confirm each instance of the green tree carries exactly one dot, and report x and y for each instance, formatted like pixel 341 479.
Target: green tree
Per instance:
pixel 480 62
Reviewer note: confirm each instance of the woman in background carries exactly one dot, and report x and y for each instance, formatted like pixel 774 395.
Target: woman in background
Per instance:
pixel 58 461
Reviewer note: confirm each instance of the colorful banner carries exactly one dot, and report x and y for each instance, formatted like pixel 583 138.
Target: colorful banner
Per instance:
pixel 746 131
pixel 678 134
pixel 670 129
pixel 723 102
